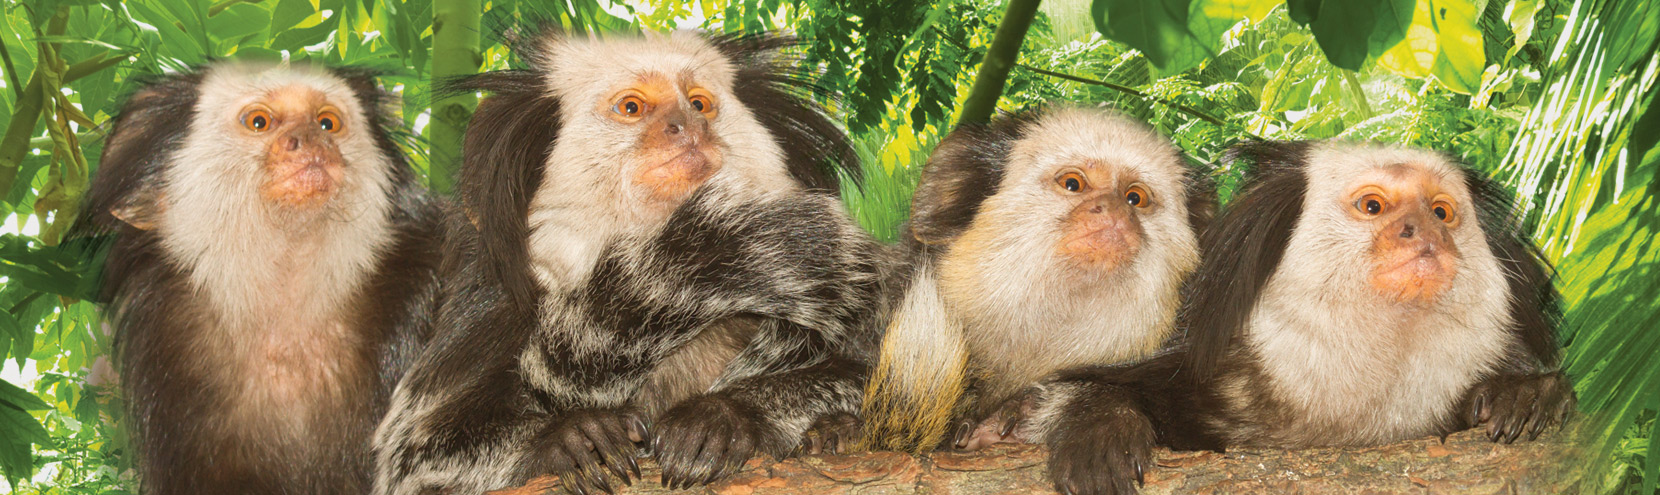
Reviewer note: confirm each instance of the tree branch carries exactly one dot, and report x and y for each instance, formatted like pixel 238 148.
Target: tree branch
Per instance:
pixel 1000 58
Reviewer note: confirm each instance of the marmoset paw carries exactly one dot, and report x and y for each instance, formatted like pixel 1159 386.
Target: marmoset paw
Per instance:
pixel 1101 454
pixel 1511 405
pixel 834 434
pixel 583 445
pixel 705 439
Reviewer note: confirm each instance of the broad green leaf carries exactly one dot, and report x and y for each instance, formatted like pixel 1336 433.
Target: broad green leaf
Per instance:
pixel 295 40
pixel 290 13
pixel 19 427
pixel 1156 27
pixel 1303 11
pixel 258 53
pixel 14 397
pixel 1442 41
pixel 1519 15
pixel 15 457
pixel 239 20
pixel 11 332
pixel 1351 31
pixel 178 44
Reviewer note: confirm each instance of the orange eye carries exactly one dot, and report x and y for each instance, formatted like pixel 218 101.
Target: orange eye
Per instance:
pixel 1072 182
pixel 329 121
pixel 1371 204
pixel 257 120
pixel 630 106
pixel 1445 211
pixel 1138 196
pixel 704 104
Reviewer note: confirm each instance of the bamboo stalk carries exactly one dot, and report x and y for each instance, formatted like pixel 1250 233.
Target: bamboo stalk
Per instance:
pixel 455 53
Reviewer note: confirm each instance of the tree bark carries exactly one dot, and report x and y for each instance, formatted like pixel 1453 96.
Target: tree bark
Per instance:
pixel 1466 463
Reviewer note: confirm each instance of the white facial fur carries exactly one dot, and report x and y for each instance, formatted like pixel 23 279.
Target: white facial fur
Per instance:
pixel 241 251
pixel 1027 310
pixel 277 280
pixel 586 197
pixel 1361 367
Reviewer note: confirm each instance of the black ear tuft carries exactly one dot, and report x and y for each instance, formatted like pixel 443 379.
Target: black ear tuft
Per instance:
pixel 505 156
pixel 816 150
pixel 1535 310
pixel 1201 197
pixel 962 172
pixel 149 128
pixel 1241 249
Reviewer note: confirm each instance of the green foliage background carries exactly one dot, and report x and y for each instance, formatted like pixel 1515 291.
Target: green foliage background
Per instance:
pixel 1555 97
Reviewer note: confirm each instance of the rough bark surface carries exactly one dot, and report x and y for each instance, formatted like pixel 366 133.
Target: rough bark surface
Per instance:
pixel 1466 463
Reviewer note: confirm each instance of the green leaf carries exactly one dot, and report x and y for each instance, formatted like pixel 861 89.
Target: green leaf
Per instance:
pixel 1303 11
pixel 1442 41
pixel 17 398
pixel 290 13
pixel 1350 31
pixel 239 20
pixel 20 428
pixel 1209 19
pixel 258 53
pixel 295 40
pixel 1519 15
pixel 11 332
pixel 177 43
pixel 1156 27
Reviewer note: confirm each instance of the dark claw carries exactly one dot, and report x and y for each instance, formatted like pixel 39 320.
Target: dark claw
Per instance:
pixel 1008 428
pixel 640 431
pixel 702 439
pixel 964 429
pixel 615 466
pixel 1140 475
pixel 599 481
pixel 1477 415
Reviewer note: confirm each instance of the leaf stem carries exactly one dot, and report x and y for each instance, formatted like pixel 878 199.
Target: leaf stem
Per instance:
pixel 11 71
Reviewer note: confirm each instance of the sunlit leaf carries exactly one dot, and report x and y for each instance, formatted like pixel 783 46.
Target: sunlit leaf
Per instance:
pixel 1443 41
pixel 1209 19
pixel 1156 27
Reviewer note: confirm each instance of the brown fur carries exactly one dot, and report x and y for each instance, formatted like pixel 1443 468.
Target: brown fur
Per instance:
pixel 693 369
